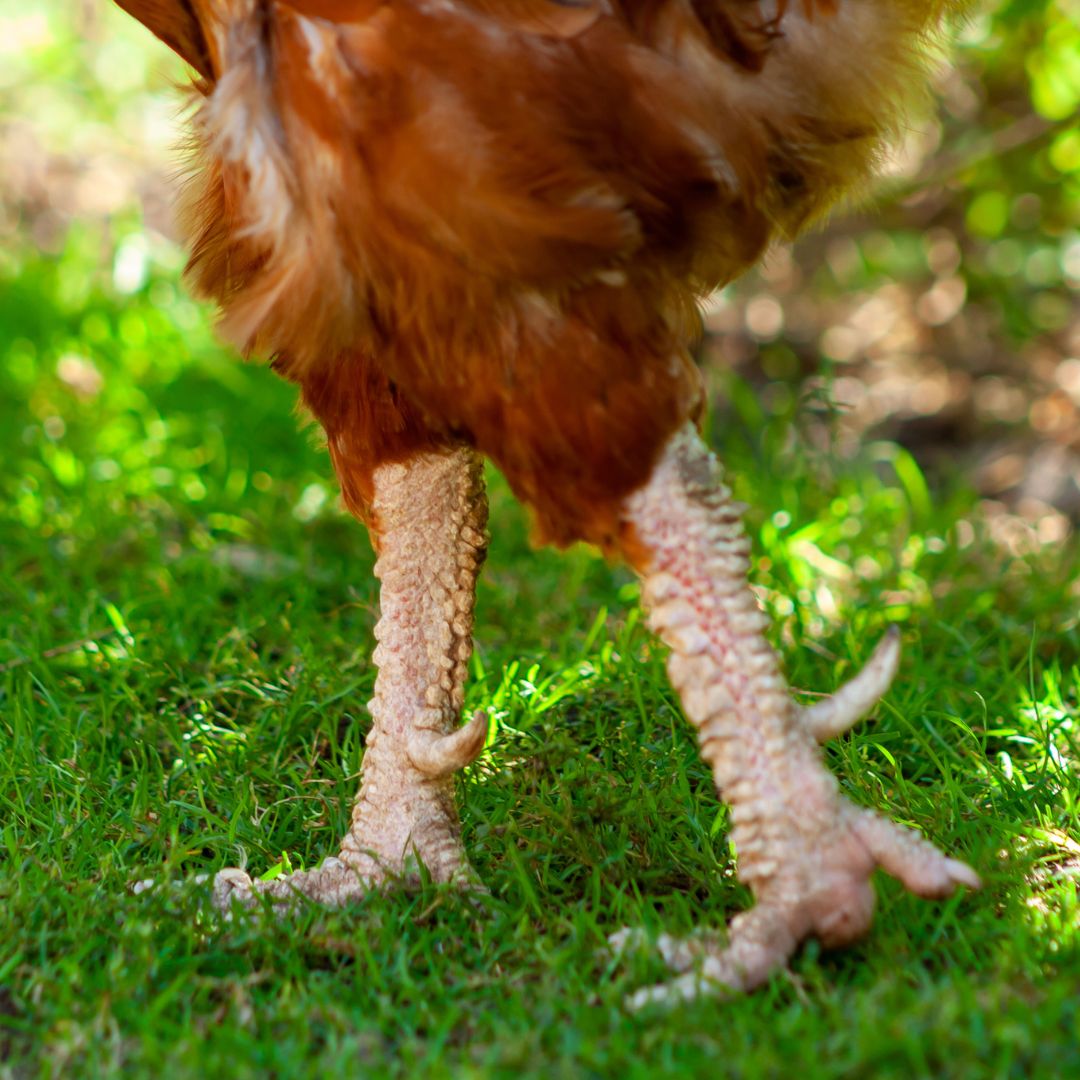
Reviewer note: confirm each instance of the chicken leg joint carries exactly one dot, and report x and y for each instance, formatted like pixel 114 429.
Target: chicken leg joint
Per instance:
pixel 806 851
pixel 431 516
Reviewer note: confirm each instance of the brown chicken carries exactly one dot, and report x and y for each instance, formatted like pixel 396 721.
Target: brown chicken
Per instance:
pixel 480 227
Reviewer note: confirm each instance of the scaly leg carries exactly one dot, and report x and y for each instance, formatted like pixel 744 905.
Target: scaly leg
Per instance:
pixel 806 851
pixel 430 516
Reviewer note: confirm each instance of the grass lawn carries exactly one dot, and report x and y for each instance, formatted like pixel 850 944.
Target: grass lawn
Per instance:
pixel 185 632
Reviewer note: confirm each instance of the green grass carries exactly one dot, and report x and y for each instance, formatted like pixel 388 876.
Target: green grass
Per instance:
pixel 185 630
pixel 185 646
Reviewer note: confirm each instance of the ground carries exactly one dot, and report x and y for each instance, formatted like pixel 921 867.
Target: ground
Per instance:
pixel 185 631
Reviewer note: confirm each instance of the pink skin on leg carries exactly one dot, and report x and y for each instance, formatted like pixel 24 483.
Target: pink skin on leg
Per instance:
pixel 432 516
pixel 806 851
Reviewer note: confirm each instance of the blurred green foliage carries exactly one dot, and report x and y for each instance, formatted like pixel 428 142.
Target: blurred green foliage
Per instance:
pixel 943 312
pixel 1010 155
pixel 128 432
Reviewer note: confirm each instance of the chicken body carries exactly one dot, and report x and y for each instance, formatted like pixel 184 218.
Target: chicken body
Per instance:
pixel 488 221
pixel 481 227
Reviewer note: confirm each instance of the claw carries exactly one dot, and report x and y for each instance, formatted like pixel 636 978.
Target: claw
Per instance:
pixel 761 941
pixel 230 884
pixel 333 884
pixel 912 859
pixel 834 715
pixel 439 756
pixel 148 885
pixel 688 957
pixel 678 991
pixel 629 939
pixel 681 954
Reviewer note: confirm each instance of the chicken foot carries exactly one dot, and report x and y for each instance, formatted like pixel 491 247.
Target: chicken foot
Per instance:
pixel 430 532
pixel 804 849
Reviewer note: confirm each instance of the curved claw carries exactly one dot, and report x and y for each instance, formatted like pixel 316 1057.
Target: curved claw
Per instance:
pixel 834 715
pixel 912 859
pixel 333 884
pixel 833 903
pixel 439 756
pixel 761 940
pixel 681 954
pixel 232 884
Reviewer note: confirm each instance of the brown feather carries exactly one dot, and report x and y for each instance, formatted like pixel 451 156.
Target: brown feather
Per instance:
pixel 489 220
pixel 176 23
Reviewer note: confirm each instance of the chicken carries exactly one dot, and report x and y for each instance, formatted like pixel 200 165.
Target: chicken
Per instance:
pixel 471 228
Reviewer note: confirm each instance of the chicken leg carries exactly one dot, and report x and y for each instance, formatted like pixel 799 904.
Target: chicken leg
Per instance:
pixel 807 853
pixel 429 515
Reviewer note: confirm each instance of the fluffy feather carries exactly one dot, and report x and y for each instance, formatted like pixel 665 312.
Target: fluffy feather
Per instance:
pixel 489 220
pixel 175 22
